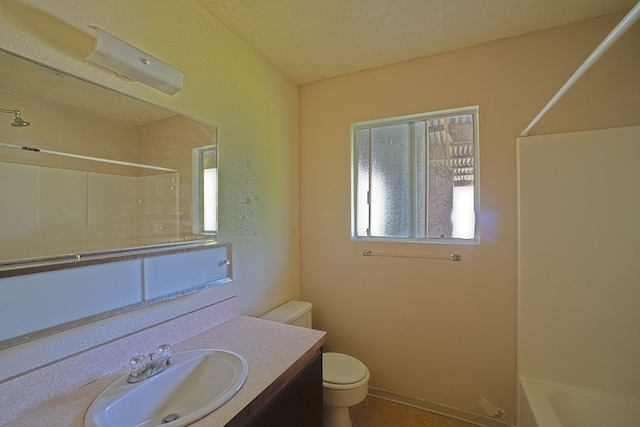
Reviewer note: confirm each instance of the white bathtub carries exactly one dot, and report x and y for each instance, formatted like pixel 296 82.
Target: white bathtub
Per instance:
pixel 549 404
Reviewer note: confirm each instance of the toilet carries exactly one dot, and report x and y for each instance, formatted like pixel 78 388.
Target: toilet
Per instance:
pixel 345 379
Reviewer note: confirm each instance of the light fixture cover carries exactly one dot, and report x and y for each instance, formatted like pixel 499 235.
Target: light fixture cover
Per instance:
pixel 134 64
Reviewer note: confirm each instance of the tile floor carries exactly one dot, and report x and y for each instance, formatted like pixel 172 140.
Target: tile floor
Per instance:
pixel 375 412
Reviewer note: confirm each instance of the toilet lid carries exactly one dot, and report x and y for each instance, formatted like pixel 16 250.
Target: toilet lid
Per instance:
pixel 338 368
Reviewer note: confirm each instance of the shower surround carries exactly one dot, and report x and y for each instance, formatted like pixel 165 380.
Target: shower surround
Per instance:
pixel 578 290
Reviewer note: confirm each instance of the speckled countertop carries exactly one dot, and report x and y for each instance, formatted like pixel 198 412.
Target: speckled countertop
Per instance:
pixel 274 352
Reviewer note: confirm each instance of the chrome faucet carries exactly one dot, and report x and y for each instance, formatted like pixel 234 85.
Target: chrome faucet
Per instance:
pixel 143 367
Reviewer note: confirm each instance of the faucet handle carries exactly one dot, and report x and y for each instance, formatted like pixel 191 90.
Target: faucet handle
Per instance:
pixel 163 350
pixel 138 364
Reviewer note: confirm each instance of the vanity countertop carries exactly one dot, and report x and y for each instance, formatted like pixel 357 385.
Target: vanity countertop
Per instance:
pixel 275 353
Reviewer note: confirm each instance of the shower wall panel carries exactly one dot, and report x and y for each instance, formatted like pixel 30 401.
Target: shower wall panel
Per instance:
pixel 579 275
pixel 49 211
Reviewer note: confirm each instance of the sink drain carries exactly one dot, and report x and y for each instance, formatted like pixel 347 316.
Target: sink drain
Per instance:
pixel 169 418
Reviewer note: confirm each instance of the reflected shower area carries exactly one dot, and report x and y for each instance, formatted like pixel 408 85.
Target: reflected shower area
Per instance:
pixel 84 169
pixel 18 122
pixel 56 210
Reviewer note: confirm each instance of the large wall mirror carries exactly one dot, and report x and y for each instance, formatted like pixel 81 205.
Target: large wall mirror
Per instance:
pixel 95 170
pixel 101 203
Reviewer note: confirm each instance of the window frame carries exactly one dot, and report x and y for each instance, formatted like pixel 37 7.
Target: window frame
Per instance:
pixel 370 124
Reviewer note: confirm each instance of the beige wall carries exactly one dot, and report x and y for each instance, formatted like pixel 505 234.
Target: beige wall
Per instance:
pixel 436 330
pixel 226 84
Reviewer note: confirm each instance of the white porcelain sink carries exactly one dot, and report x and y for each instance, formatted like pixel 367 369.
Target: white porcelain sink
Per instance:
pixel 198 383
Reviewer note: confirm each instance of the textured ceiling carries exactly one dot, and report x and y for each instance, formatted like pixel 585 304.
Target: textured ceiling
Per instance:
pixel 310 40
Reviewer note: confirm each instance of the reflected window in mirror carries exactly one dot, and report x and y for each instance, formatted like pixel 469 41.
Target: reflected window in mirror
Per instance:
pixel 205 196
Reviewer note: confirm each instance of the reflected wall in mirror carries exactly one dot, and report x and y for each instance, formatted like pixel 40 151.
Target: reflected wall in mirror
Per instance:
pixel 95 171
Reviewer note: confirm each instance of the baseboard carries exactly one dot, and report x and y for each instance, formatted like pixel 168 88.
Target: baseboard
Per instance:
pixel 436 408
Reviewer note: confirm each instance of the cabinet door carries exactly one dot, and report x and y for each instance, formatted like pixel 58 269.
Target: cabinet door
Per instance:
pixel 179 272
pixel 299 404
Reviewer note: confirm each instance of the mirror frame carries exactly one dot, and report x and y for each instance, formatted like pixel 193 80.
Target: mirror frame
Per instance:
pixel 54 263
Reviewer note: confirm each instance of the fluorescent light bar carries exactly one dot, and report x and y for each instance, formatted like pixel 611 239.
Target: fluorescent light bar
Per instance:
pixel 134 64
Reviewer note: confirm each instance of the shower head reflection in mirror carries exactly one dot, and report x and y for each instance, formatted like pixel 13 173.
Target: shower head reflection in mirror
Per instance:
pixel 18 122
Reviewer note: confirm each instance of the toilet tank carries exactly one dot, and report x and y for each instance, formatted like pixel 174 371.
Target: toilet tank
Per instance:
pixel 296 313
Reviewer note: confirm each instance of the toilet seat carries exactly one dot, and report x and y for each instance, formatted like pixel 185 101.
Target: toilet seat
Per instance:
pixel 341 369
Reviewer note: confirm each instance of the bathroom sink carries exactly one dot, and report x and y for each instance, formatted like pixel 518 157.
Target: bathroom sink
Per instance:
pixel 198 383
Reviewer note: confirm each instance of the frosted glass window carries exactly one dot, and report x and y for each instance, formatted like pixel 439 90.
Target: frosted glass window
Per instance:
pixel 416 177
pixel 390 184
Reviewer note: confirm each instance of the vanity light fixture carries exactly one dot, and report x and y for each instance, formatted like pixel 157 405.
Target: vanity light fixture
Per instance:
pixel 133 64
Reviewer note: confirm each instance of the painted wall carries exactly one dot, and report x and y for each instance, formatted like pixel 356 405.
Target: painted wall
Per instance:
pixel 436 330
pixel 226 84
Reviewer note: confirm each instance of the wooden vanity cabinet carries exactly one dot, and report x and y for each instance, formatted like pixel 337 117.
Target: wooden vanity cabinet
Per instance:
pixel 297 403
